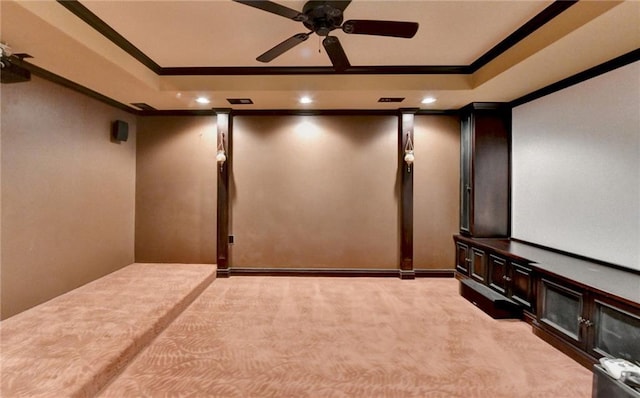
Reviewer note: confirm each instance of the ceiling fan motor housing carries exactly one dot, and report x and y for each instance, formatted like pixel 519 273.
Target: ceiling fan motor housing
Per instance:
pixel 322 18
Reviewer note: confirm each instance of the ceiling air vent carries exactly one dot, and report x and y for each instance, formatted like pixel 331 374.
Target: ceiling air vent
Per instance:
pixel 240 101
pixel 143 106
pixel 391 99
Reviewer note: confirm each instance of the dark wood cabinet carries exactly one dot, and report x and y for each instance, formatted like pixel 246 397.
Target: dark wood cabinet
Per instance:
pixel 512 279
pixel 478 266
pixel 615 329
pixel 484 172
pixel 595 324
pixel 584 308
pixel 562 310
pixel 498 274
pixel 462 258
pixel 522 286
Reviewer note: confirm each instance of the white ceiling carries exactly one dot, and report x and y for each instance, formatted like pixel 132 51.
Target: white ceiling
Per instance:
pixel 228 34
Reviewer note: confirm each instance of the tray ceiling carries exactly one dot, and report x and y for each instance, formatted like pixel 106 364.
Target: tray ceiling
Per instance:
pixel 201 37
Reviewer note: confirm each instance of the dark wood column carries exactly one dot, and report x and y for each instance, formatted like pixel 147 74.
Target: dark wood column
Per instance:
pixel 224 127
pixel 405 142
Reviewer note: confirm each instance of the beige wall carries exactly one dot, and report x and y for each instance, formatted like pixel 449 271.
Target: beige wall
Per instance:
pixel 307 191
pixel 436 190
pixel 315 191
pixel 176 189
pixel 67 192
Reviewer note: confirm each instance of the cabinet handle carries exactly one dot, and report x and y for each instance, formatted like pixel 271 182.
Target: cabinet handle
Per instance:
pixel 585 321
pixel 467 260
pixel 506 278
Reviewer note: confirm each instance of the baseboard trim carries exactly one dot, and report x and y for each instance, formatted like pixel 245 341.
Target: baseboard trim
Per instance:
pixel 338 272
pixel 223 273
pixel 434 273
pixel 328 272
pixel 406 274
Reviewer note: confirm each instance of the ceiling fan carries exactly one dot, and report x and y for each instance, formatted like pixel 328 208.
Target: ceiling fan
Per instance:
pixel 322 17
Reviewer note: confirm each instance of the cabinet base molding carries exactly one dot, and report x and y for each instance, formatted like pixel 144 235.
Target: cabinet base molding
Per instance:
pixel 489 301
pixel 528 317
pixel 575 353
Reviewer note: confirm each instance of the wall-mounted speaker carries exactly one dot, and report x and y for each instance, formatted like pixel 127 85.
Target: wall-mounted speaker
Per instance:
pixel 10 73
pixel 120 130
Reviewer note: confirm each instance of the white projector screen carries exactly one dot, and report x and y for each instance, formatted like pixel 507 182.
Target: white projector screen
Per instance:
pixel 576 169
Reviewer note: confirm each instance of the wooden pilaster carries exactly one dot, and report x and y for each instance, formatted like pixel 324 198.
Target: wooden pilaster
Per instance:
pixel 224 127
pixel 405 141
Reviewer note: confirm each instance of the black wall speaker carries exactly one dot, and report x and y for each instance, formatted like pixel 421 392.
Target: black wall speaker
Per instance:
pixel 10 73
pixel 120 130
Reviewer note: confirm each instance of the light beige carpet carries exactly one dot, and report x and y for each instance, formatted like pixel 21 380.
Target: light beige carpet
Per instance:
pixel 72 345
pixel 346 337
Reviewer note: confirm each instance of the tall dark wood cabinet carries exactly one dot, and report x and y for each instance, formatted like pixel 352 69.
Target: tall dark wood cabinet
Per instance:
pixel 485 169
pixel 585 308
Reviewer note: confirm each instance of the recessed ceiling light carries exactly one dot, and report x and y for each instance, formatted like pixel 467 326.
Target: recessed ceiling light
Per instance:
pixel 202 100
pixel 428 100
pixel 306 100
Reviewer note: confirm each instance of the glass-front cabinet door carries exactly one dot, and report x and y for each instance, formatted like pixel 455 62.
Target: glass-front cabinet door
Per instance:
pixel 562 309
pixel 616 330
pixel 465 172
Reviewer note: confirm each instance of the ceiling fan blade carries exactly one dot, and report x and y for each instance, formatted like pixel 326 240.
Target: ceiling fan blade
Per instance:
pixel 336 53
pixel 380 28
pixel 283 47
pixel 274 8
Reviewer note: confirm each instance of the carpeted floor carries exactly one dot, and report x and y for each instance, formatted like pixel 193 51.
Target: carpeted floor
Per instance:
pixel 346 337
pixel 74 344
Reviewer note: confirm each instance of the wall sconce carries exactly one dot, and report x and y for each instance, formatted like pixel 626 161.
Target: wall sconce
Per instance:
pixel 409 157
pixel 221 156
